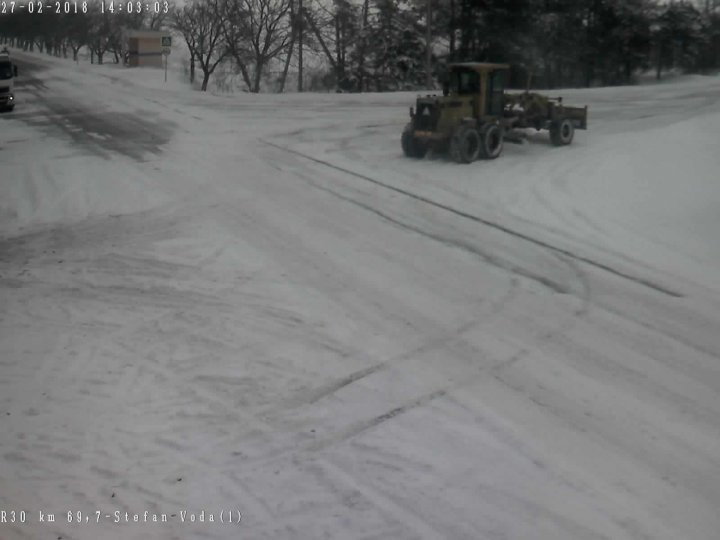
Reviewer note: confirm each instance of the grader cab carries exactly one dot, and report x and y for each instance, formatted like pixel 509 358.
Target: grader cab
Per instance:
pixel 475 115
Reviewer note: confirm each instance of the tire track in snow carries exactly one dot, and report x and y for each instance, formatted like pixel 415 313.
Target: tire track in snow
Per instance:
pixel 584 292
pixel 361 374
pixel 564 255
pixel 307 453
pixel 332 387
pixel 295 258
pixel 386 504
pixel 490 259
pixel 492 224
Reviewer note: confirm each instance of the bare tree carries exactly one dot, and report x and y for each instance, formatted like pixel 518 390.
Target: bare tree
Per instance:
pixel 78 34
pixel 157 20
pixel 256 31
pixel 290 48
pixel 100 31
pixel 336 30
pixel 201 25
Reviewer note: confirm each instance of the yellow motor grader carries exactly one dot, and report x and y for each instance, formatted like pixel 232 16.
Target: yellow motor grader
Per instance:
pixel 475 115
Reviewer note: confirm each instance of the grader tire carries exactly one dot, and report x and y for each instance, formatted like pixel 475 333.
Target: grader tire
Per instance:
pixel 465 144
pixel 562 133
pixel 412 148
pixel 491 141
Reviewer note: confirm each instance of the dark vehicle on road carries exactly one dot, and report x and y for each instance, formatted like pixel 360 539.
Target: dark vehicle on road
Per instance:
pixel 8 73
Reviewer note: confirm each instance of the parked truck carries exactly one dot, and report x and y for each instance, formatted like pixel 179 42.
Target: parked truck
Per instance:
pixel 476 115
pixel 8 73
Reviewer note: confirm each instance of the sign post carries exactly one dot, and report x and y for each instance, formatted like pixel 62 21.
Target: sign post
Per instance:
pixel 166 43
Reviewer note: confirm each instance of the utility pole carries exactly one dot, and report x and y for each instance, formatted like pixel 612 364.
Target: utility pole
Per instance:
pixel 300 45
pixel 428 47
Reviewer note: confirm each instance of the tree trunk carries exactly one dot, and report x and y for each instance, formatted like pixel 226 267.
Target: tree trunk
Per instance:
pixel 321 41
pixel 206 78
pixel 338 42
pixel 547 65
pixel 258 77
pixel 339 50
pixel 361 63
pixel 300 21
pixel 245 74
pixel 557 78
pixel 192 68
pixel 588 74
pixel 283 77
pixel 428 46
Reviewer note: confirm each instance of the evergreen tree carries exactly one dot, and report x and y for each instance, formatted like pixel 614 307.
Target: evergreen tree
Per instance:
pixel 678 36
pixel 398 46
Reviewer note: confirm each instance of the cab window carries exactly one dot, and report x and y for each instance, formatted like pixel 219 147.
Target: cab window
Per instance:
pixel 464 82
pixel 495 102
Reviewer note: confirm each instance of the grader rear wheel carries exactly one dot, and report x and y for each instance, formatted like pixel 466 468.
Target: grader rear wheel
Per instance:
pixel 562 133
pixel 491 141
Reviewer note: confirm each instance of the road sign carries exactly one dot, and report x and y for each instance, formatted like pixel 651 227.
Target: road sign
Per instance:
pixel 166 50
pixel 166 41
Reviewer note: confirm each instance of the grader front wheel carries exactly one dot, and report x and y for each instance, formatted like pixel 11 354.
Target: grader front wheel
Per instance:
pixel 411 146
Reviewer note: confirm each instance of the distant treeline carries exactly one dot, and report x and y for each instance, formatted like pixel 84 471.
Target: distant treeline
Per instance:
pixel 387 44
pixel 587 42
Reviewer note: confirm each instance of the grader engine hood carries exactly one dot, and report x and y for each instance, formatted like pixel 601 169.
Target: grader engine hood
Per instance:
pixel 435 116
pixel 427 113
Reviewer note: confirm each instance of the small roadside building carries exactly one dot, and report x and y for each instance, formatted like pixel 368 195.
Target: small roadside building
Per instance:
pixel 145 47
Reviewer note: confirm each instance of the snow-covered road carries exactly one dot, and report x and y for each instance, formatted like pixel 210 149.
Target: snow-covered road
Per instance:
pixel 261 306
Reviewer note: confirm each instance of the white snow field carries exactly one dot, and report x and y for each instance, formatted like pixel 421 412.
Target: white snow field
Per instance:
pixel 256 304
